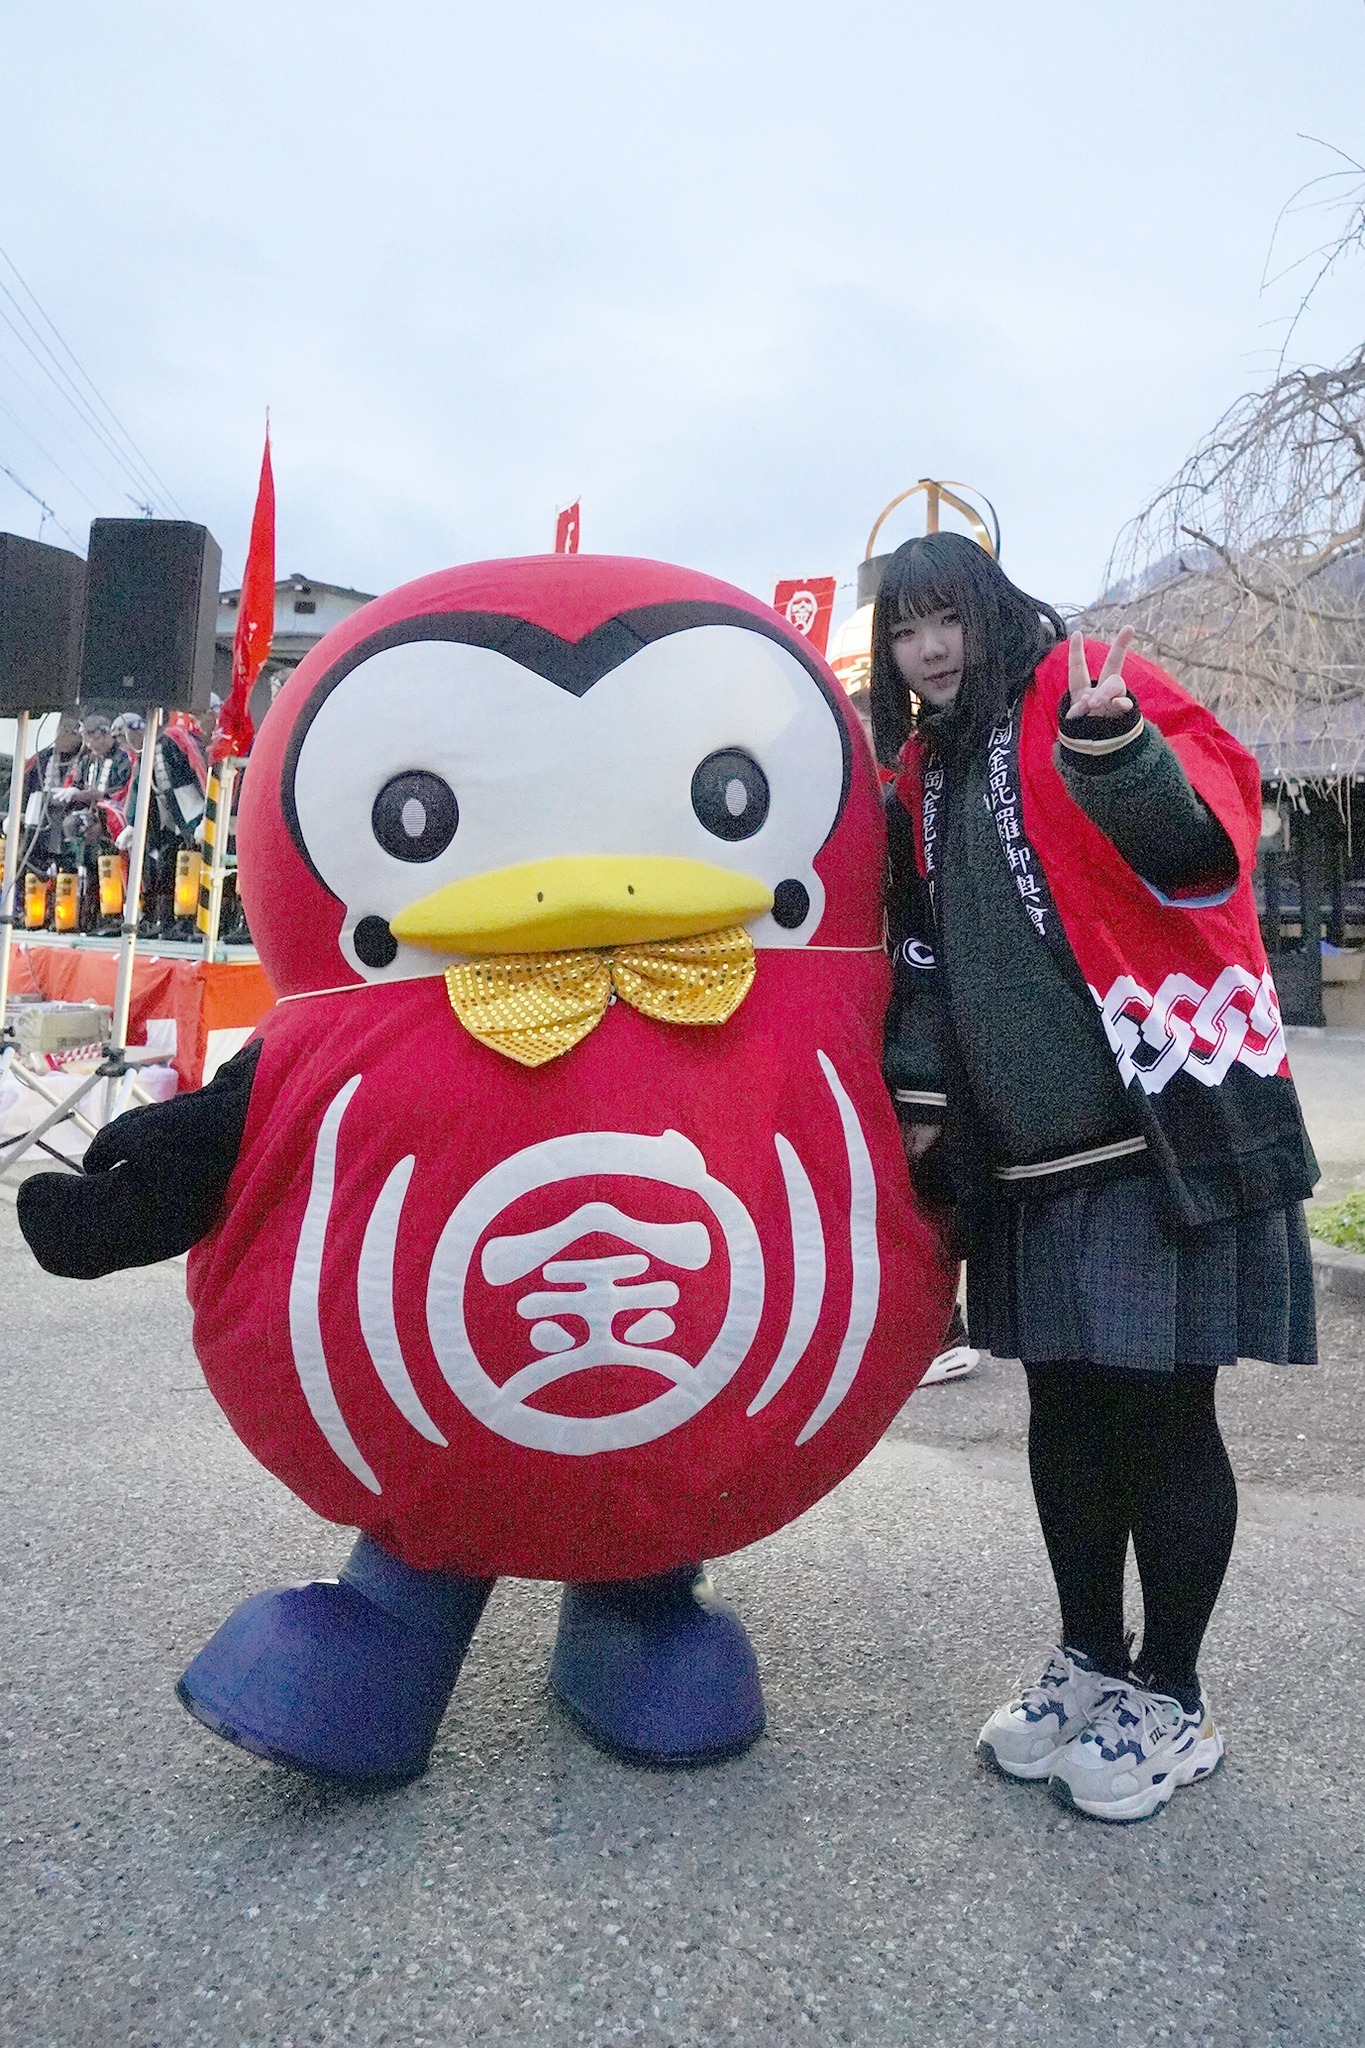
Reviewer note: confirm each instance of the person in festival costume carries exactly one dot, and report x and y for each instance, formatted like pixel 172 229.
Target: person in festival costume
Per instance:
pixel 556 1221
pixel 104 774
pixel 98 794
pixel 53 767
pixel 90 809
pixel 48 774
pixel 179 784
pixel 1086 1051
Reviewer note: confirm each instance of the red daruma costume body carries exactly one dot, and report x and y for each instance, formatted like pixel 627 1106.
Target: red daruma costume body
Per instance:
pixel 643 1301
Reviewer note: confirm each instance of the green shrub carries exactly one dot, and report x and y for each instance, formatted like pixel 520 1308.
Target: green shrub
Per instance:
pixel 1341 1223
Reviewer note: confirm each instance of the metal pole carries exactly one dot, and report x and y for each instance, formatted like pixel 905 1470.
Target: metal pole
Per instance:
pixel 132 895
pixel 9 1065
pixel 9 890
pixel 62 1111
pixel 222 827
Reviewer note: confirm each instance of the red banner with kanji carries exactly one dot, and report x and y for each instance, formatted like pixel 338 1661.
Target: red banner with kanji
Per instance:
pixel 566 530
pixel 806 603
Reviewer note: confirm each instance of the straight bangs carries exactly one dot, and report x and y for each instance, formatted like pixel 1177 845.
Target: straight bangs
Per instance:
pixel 915 584
pixel 1005 634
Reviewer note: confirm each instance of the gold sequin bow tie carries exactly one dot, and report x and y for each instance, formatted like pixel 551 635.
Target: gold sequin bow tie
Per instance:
pixel 535 1006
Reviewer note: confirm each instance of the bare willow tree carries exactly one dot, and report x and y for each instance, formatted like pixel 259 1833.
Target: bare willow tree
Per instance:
pixel 1245 575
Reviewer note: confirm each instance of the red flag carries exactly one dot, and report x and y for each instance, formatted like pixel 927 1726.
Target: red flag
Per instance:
pixel 255 621
pixel 806 603
pixel 566 531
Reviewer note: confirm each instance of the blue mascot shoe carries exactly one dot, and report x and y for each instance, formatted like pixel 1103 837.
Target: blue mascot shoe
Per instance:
pixel 347 1678
pixel 658 1671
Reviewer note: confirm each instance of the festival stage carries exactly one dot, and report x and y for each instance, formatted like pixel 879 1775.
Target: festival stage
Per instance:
pixel 200 1011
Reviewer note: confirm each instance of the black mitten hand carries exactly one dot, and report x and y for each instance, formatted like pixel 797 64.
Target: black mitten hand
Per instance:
pixel 152 1186
pixel 81 1226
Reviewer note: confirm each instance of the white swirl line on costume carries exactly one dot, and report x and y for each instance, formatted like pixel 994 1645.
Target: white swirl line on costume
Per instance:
pixel 305 1322
pixel 866 1282
pixel 808 1273
pixel 376 1301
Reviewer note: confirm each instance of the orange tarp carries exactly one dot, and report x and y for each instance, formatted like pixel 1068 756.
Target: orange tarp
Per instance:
pixel 202 996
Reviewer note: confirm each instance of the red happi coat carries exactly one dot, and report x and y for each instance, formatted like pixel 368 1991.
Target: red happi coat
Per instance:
pixel 1182 986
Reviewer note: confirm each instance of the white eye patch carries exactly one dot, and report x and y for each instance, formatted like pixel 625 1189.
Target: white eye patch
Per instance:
pixel 535 772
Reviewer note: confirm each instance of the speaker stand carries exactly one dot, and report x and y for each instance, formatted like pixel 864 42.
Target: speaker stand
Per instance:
pixel 117 1071
pixel 9 889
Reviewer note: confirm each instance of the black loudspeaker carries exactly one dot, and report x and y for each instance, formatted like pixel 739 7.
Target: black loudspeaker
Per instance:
pixel 41 593
pixel 151 606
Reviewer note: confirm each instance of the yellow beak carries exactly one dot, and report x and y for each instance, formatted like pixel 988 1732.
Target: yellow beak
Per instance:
pixel 544 906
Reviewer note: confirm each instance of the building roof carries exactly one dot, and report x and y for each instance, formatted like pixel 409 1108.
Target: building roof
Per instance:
pixel 298 625
pixel 1322 748
pixel 294 581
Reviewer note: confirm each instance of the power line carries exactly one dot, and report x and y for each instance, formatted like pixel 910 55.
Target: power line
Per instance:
pixel 42 505
pixel 89 382
pixel 48 414
pixel 90 385
pixel 71 395
pixel 72 399
pixel 28 435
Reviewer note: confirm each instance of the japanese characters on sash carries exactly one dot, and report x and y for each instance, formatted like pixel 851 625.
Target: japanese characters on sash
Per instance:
pixel 571 1235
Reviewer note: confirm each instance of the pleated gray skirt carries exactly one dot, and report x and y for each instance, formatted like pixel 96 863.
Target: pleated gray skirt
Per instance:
pixel 1101 1275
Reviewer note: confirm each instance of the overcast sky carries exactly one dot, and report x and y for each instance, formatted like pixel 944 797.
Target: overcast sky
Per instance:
pixel 735 273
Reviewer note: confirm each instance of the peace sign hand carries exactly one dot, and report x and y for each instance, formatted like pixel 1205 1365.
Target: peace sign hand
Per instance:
pixel 1106 696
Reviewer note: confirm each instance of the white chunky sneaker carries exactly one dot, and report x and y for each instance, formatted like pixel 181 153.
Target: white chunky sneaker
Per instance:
pixel 953 1364
pixel 1140 1749
pixel 1025 1737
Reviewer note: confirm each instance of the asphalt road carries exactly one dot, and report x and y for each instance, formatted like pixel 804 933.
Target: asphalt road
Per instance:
pixel 1328 1066
pixel 856 1878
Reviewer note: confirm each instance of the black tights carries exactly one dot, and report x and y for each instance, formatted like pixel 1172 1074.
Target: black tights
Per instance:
pixel 1113 1456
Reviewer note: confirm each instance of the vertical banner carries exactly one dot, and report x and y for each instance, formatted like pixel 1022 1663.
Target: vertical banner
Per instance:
pixel 806 603
pixel 235 731
pixel 255 621
pixel 566 530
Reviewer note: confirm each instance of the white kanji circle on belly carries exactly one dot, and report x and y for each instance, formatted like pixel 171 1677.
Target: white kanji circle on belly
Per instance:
pixel 597 1297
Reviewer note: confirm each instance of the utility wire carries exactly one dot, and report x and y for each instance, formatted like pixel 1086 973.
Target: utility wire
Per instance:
pixel 71 393
pixel 41 503
pixel 90 385
pixel 112 483
pixel 72 398
pixel 51 459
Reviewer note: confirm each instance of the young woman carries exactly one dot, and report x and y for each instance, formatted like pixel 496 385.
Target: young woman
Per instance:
pixel 1086 1054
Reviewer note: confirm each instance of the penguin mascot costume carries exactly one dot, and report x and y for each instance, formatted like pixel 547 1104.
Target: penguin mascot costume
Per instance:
pixel 555 1221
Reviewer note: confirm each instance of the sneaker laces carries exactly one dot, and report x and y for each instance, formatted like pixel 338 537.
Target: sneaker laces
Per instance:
pixel 1064 1667
pixel 1059 1670
pixel 1039 1698
pixel 1132 1715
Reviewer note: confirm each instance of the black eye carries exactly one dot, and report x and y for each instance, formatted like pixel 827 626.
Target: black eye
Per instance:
pixel 730 794
pixel 415 816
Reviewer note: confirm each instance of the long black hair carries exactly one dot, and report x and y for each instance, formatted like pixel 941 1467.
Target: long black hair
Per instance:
pixel 1005 634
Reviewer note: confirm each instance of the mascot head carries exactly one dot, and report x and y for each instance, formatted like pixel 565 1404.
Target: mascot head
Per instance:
pixel 555 752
